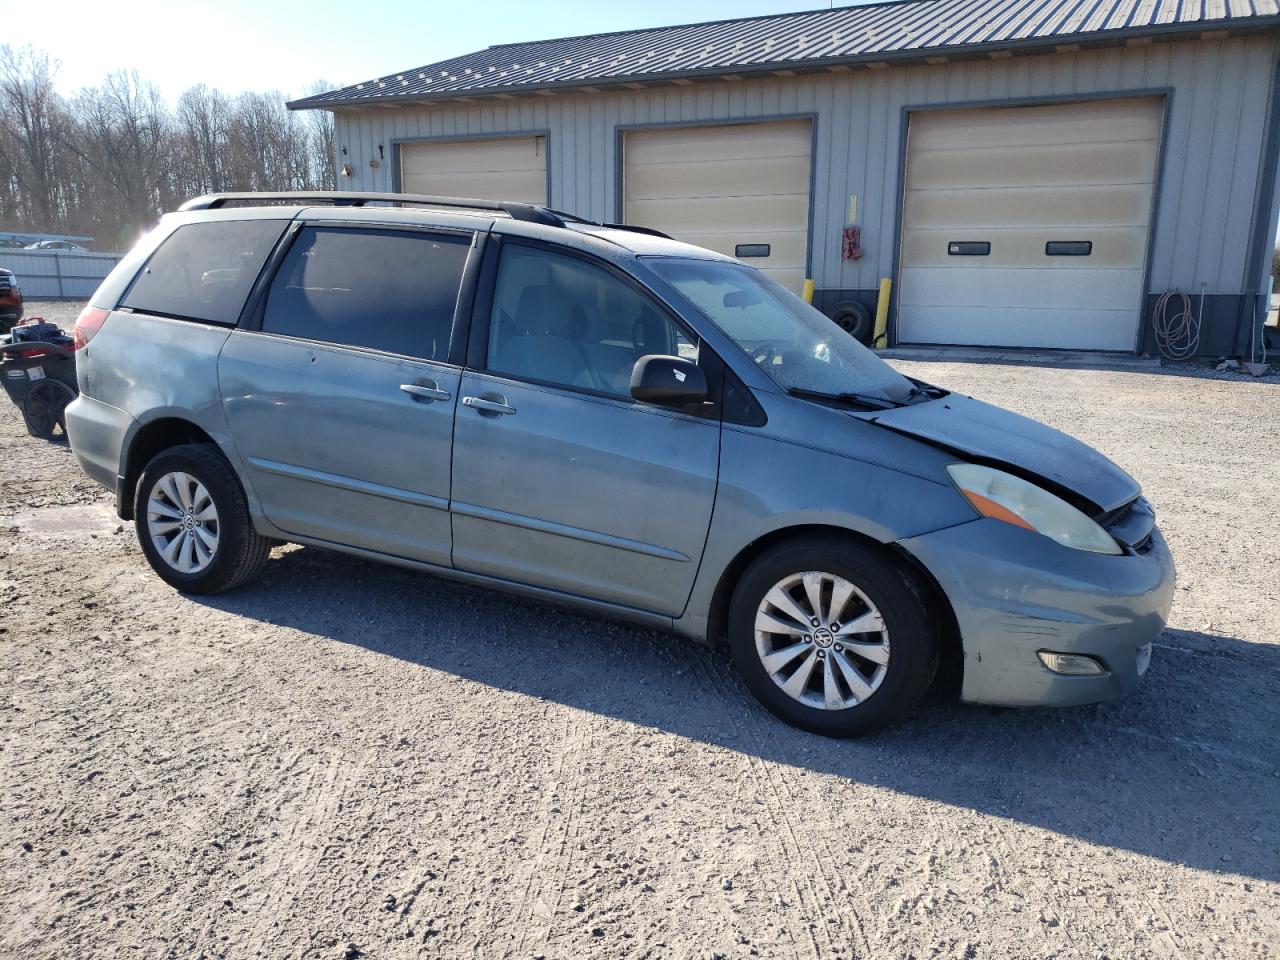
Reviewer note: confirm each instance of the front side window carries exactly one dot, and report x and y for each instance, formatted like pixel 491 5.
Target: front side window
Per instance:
pixel 390 290
pixel 203 271
pixel 561 320
pixel 791 341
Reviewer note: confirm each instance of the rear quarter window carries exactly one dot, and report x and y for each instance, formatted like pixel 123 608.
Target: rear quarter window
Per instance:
pixel 204 271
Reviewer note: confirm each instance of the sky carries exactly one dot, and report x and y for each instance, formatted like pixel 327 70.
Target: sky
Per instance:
pixel 288 45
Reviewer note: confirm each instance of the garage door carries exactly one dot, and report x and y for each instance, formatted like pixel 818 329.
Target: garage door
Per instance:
pixel 506 168
pixel 740 189
pixel 1028 226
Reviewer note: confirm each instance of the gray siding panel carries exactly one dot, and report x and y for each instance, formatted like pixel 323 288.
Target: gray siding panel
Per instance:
pixel 1205 208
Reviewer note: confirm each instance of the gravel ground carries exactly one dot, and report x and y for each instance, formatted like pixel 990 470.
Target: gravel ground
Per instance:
pixel 61 312
pixel 346 760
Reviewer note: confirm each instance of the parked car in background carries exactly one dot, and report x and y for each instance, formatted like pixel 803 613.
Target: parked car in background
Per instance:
pixel 601 416
pixel 13 243
pixel 55 245
pixel 11 306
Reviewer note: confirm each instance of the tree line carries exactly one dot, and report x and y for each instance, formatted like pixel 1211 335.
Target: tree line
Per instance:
pixel 109 160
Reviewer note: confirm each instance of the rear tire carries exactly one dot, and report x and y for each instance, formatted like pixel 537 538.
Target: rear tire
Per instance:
pixel 193 521
pixel 870 648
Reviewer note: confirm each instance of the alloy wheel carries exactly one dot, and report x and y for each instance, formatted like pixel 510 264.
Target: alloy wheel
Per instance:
pixel 182 522
pixel 822 640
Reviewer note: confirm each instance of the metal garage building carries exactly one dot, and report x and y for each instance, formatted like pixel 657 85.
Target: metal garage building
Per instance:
pixel 1027 173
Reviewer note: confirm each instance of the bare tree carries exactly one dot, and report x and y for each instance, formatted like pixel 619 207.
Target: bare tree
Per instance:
pixel 107 162
pixel 30 120
pixel 204 126
pixel 9 187
pixel 122 132
pixel 323 146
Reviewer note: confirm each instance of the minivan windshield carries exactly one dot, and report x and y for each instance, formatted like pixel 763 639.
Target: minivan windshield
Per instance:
pixel 800 348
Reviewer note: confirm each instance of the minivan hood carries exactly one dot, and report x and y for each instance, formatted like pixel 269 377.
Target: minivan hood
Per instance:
pixel 989 434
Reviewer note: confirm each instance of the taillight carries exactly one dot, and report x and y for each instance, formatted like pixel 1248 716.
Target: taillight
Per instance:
pixel 88 324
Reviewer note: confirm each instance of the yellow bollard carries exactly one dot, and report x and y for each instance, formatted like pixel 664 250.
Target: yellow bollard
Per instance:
pixel 807 295
pixel 882 314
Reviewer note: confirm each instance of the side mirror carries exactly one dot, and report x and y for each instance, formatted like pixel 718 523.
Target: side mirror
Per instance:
pixel 670 381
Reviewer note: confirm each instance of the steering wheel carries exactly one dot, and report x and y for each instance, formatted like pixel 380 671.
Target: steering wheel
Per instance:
pixel 764 355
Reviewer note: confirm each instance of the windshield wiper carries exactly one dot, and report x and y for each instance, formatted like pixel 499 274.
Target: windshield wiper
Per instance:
pixel 854 399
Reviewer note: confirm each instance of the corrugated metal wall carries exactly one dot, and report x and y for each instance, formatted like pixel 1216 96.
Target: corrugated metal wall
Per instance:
pixel 59 274
pixel 1218 113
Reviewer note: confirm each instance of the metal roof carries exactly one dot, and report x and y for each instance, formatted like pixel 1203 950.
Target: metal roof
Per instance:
pixel 894 30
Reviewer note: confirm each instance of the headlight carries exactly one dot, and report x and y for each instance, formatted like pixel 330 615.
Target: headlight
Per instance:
pixel 1002 496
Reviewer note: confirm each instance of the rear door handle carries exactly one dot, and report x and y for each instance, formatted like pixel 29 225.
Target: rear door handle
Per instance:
pixel 482 405
pixel 425 391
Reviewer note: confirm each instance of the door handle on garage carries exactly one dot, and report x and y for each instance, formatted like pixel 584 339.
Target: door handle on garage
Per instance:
pixel 425 391
pixel 481 405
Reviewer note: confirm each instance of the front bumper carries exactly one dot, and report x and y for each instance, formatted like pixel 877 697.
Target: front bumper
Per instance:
pixel 1015 593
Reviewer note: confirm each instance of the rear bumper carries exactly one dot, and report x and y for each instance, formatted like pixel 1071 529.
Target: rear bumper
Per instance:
pixel 97 432
pixel 1015 593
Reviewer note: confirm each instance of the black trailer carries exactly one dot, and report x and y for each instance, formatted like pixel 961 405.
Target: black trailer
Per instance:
pixel 40 378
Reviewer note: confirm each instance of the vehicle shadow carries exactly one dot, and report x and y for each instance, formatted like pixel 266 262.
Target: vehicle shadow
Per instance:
pixel 1185 770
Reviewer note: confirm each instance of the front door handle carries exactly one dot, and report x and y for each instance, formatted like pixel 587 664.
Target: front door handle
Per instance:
pixel 482 405
pixel 425 391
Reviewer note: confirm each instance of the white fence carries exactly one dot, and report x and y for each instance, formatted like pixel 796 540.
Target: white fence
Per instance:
pixel 58 274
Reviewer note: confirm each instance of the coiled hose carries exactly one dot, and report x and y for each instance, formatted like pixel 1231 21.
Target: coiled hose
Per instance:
pixel 1177 334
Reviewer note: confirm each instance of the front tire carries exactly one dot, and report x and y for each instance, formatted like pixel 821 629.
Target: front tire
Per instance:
pixel 833 636
pixel 193 521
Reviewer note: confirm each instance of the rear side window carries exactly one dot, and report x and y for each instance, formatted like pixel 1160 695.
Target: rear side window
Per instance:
pixel 382 289
pixel 204 270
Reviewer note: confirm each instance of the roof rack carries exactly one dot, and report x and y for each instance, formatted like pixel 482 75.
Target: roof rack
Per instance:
pixel 574 218
pixel 342 198
pixel 648 231
pixel 528 212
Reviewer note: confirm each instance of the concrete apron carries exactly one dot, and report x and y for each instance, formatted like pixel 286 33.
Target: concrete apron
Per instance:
pixel 1080 359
